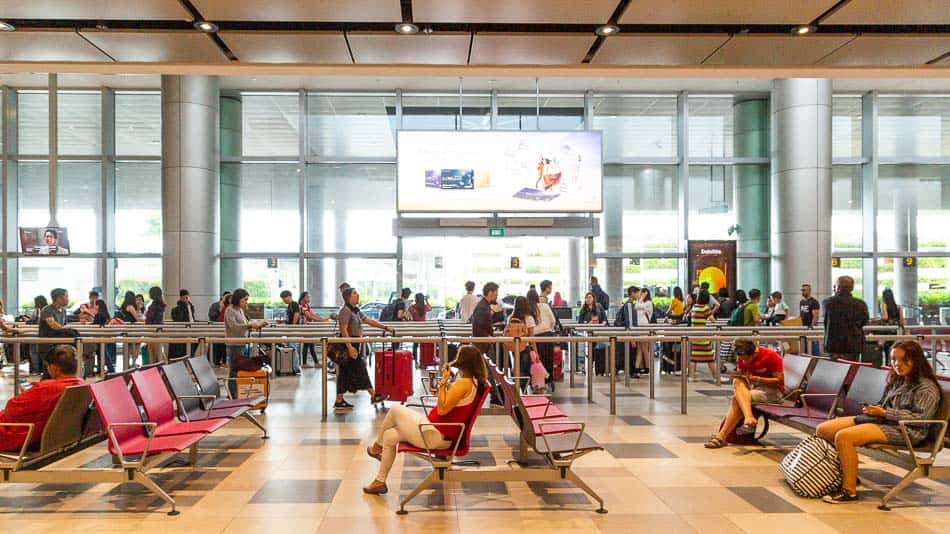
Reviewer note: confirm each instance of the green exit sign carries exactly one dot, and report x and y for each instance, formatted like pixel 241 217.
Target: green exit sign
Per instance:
pixel 496 232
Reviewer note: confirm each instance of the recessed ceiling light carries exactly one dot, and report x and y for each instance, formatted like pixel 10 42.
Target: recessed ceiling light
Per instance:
pixel 205 26
pixel 6 26
pixel 407 28
pixel 607 29
pixel 802 30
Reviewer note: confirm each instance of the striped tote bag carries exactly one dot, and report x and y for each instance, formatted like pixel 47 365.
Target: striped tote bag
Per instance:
pixel 812 469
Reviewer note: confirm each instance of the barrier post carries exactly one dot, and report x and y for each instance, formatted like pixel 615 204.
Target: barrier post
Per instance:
pixel 16 369
pixel 324 379
pixel 516 362
pixel 717 362
pixel 573 347
pixel 590 371
pixel 443 353
pixel 626 364
pixel 102 360
pixel 686 351
pixel 652 370
pixel 613 375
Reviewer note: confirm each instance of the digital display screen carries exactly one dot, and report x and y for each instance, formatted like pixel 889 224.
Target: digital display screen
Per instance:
pixel 458 171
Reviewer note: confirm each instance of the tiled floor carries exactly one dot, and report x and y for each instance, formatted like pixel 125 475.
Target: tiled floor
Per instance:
pixel 654 475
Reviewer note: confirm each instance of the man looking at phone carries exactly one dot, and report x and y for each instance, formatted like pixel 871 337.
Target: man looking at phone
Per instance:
pixel 759 379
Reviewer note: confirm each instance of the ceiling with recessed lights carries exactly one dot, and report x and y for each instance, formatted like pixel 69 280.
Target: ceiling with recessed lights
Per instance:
pixel 826 33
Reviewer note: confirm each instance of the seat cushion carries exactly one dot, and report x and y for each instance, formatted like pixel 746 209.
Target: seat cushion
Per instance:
pixel 555 428
pixel 440 453
pixel 779 412
pixel 535 400
pixel 547 411
pixel 234 403
pixel 206 426
pixel 217 413
pixel 176 443
pixel 807 422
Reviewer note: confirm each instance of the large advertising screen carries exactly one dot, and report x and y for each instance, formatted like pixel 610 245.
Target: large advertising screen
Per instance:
pixel 440 171
pixel 44 241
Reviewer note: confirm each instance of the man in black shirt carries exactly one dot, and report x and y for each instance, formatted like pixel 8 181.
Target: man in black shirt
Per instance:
pixel 293 309
pixel 845 319
pixel 482 323
pixel 809 308
pixel 599 294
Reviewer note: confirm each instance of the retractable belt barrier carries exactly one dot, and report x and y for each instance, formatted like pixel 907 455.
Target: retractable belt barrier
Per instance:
pixel 202 335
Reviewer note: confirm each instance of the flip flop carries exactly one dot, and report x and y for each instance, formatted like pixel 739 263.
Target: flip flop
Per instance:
pixel 747 429
pixel 714 443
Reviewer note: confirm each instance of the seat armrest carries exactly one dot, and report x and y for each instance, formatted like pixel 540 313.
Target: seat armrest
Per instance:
pixel 577 442
pixel 253 379
pixel 26 442
pixel 937 444
pixel 115 441
pixel 200 397
pixel 831 411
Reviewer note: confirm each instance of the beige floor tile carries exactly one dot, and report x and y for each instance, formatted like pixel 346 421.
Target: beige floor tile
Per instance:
pixel 711 524
pixel 669 473
pixel 686 500
pixel 413 523
pixel 270 510
pixel 274 524
pixel 876 522
pixel 620 523
pixel 784 523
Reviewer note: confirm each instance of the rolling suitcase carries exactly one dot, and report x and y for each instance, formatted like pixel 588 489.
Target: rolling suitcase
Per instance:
pixel 286 361
pixel 394 374
pixel 427 355
pixel 557 364
pixel 251 384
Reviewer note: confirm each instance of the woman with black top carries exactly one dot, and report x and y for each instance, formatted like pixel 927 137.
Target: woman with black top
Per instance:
pixel 129 312
pixel 593 313
pixel 523 313
pixel 352 375
pixel 891 314
pixel 102 318
pixel 155 314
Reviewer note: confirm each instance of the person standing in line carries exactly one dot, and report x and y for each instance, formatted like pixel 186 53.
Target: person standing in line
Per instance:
pixel 845 319
pixel 645 310
pixel 544 328
pixel 891 314
pixel 236 324
pixel 155 315
pixel 216 315
pixel 713 302
pixel 809 310
pixel 751 316
pixel 103 319
pixel 52 323
pixel 293 315
pixel 524 314
pixel 183 312
pixel 726 305
pixel 352 375
pixel 468 302
pixel 129 314
pixel 87 310
pixel 599 294
pixel 140 305
pixel 701 351
pixel 403 304
pixel 482 323
pixel 309 317
pixel 778 310
pixel 592 312
pixel 417 313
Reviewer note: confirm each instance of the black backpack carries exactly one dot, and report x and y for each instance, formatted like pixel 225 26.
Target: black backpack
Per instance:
pixel 389 312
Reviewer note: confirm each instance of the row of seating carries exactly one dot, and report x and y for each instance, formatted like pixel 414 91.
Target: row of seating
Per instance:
pixel 818 389
pixel 181 402
pixel 543 427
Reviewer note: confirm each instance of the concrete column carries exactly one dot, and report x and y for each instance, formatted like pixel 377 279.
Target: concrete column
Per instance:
pixel 751 139
pixel 231 147
pixel 801 185
pixel 190 191
pixel 613 237
pixel 905 233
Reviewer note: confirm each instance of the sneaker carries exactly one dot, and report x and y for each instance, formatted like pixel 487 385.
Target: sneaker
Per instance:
pixel 342 405
pixel 839 497
pixel 724 380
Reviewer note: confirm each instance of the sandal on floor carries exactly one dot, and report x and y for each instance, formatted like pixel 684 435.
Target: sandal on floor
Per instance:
pixel 714 443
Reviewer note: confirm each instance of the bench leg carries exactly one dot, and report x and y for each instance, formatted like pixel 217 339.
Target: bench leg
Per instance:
pixel 150 484
pixel 193 456
pixel 256 423
pixel 428 481
pixel 572 476
pixel 909 478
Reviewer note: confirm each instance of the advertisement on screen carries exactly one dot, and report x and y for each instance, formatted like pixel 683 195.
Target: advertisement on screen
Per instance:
pixel 713 262
pixel 44 241
pixel 454 171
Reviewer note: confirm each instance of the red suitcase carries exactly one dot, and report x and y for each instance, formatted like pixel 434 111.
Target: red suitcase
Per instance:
pixel 558 364
pixel 394 374
pixel 427 355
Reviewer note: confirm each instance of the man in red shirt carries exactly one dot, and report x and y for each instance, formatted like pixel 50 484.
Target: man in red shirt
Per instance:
pixel 36 404
pixel 759 379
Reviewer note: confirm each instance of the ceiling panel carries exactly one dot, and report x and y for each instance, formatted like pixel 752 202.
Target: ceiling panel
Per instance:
pixel 291 47
pixel 892 12
pixel 550 49
pixel 177 47
pixel 419 48
pixel 724 11
pixel 46 46
pixel 310 10
pixel 889 50
pixel 532 11
pixel 657 49
pixel 92 9
pixel 774 50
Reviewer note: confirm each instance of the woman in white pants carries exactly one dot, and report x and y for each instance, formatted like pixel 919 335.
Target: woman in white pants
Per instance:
pixel 456 400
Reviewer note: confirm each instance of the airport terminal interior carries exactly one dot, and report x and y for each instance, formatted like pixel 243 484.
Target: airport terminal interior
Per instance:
pixel 711 237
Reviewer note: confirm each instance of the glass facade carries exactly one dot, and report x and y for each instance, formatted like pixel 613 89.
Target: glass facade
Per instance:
pixel 316 177
pixel 108 191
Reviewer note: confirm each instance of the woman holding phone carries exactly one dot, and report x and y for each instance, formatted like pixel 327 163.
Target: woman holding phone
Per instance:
pixel 456 400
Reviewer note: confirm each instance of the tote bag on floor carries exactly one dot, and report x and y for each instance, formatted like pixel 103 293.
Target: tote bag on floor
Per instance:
pixel 812 469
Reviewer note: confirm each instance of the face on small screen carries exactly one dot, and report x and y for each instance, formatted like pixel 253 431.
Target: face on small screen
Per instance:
pixel 50 238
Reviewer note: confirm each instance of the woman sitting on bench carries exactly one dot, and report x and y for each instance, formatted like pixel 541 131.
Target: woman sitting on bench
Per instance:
pixel 456 400
pixel 912 393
